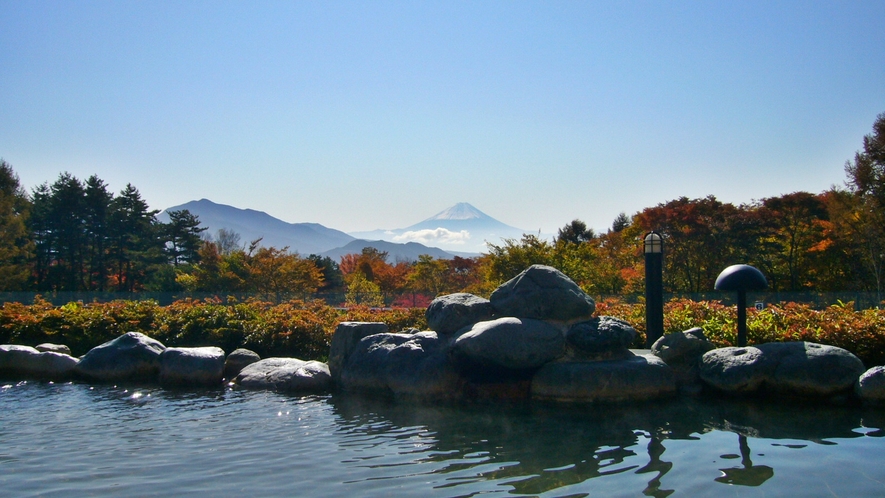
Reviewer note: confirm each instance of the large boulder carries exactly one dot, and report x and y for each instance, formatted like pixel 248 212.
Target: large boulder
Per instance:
pixel 450 313
pixel 683 352
pixel 132 356
pixel 600 338
pixel 543 293
pixel 509 343
pixel 402 364
pixel 191 366
pixel 639 377
pixel 795 368
pixel 286 374
pixel 237 360
pixel 870 387
pixel 345 339
pixel 25 362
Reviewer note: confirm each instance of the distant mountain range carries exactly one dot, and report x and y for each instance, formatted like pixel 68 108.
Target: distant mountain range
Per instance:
pixel 460 230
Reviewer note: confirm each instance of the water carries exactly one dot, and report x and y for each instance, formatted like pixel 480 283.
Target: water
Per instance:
pixel 81 440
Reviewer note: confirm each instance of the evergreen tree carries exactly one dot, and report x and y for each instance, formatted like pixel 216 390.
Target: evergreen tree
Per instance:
pixel 183 239
pixel 16 247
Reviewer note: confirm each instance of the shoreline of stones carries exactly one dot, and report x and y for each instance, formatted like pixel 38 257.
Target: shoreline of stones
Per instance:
pixel 534 339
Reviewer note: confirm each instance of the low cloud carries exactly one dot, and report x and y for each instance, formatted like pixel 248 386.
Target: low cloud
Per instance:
pixel 435 236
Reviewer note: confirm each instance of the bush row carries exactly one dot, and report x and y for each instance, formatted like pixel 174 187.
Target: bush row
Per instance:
pixel 303 329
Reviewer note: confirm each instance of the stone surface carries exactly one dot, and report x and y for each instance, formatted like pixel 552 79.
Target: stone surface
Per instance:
pixel 796 368
pixel 682 348
pixel 55 348
pixel 870 387
pixel 402 364
pixel 286 374
pixel 345 339
pixel 543 293
pixel 600 338
pixel 191 366
pixel 450 313
pixel 639 377
pixel 25 362
pixel 509 343
pixel 237 360
pixel 132 356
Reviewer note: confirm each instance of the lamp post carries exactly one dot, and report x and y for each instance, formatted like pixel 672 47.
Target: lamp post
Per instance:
pixel 654 287
pixel 741 278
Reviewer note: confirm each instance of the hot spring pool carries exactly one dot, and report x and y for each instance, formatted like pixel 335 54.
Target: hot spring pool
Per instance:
pixel 80 440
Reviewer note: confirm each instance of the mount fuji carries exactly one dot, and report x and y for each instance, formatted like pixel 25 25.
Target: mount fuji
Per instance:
pixel 461 228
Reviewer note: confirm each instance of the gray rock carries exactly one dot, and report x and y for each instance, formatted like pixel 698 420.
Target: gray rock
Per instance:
pixel 237 360
pixel 402 364
pixel 796 368
pixel 450 313
pixel 600 338
pixel 543 293
pixel 682 348
pixel 25 362
pixel 55 348
pixel 345 339
pixel 286 374
pixel 509 343
pixel 810 369
pixel 632 379
pixel 682 351
pixel 191 366
pixel 870 387
pixel 132 356
pixel 737 370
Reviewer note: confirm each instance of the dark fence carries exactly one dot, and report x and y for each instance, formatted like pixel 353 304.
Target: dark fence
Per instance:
pixel 818 300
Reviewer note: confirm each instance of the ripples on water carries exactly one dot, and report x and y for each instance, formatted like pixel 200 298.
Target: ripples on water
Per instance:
pixel 80 440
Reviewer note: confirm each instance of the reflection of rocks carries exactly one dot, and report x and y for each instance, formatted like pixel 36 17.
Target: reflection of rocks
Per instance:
pixel 795 368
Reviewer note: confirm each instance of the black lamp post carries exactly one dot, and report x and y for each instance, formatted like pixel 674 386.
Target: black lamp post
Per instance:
pixel 741 278
pixel 654 287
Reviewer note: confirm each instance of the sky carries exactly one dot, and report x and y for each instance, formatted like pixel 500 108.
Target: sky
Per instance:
pixel 375 114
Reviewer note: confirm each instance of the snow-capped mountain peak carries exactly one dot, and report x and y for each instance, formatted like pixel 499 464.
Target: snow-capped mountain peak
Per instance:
pixel 460 211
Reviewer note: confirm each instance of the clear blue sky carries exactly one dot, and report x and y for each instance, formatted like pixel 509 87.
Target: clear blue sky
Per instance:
pixel 364 115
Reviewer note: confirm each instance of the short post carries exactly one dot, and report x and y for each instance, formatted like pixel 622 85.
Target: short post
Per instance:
pixel 741 278
pixel 654 287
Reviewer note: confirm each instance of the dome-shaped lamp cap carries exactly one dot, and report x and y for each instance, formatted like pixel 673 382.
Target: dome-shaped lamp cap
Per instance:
pixel 741 278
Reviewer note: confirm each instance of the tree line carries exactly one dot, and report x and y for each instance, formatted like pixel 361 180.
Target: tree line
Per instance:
pixel 72 235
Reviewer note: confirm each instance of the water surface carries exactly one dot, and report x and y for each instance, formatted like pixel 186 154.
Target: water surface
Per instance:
pixel 81 440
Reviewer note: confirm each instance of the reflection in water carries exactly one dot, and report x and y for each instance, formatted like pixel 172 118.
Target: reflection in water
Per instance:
pixel 749 474
pixel 122 440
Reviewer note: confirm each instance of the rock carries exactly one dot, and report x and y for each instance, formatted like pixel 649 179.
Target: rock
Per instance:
pixel 451 313
pixel 737 370
pixel 132 356
pixel 601 338
pixel 237 360
pixel 402 364
pixel 543 293
pixel 191 366
pixel 25 362
pixel 286 374
pixel 682 348
pixel 682 351
pixel 509 343
pixel 810 369
pixel 54 348
pixel 797 368
pixel 346 337
pixel 632 379
pixel 870 387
